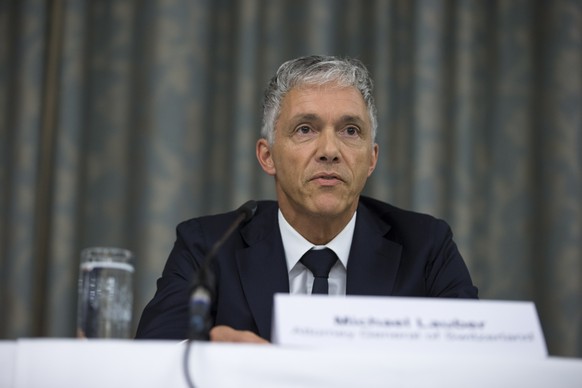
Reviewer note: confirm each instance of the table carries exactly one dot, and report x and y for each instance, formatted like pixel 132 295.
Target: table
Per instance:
pixel 63 363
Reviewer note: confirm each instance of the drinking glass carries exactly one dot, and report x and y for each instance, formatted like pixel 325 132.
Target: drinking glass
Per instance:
pixel 105 294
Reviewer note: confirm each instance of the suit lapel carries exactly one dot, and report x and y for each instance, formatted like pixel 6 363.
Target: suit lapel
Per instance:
pixel 374 260
pixel 262 268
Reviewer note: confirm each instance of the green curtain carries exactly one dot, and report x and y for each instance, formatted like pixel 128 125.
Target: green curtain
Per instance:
pixel 119 119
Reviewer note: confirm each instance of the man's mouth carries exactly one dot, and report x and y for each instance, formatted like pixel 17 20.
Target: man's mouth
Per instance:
pixel 327 179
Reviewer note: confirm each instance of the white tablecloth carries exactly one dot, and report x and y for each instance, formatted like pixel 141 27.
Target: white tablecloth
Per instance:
pixel 108 363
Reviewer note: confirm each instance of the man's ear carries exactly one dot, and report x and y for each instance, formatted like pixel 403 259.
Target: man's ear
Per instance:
pixel 374 159
pixel 265 157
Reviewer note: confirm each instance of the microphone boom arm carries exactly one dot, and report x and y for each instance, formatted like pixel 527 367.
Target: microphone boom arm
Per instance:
pixel 204 286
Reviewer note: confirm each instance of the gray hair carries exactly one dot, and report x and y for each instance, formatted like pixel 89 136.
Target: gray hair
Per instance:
pixel 315 70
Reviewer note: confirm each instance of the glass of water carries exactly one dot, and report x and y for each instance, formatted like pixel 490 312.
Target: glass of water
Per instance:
pixel 105 293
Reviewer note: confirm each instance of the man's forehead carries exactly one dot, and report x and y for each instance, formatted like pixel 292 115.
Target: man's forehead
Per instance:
pixel 303 104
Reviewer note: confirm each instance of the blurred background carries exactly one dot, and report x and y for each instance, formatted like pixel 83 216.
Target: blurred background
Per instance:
pixel 119 119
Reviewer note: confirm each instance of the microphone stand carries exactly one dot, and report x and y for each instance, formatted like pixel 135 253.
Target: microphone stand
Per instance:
pixel 204 289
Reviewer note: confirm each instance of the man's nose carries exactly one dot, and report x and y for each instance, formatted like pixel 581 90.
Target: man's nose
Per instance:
pixel 328 150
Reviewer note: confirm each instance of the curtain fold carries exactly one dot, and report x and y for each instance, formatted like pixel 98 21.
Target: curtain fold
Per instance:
pixel 119 119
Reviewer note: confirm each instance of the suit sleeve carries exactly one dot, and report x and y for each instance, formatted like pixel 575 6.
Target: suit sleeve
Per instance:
pixel 166 315
pixel 446 274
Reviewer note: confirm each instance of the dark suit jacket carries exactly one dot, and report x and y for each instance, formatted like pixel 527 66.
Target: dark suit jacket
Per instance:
pixel 394 252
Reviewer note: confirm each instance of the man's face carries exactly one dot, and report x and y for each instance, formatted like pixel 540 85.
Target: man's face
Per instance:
pixel 322 154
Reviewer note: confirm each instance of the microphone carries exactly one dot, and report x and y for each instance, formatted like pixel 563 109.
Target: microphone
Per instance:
pixel 204 286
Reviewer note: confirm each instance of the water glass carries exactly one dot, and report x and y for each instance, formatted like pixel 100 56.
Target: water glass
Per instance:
pixel 105 294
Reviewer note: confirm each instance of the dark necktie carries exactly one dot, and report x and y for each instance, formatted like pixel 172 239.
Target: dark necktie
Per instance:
pixel 319 262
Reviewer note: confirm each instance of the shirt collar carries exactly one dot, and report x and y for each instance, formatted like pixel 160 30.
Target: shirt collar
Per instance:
pixel 295 245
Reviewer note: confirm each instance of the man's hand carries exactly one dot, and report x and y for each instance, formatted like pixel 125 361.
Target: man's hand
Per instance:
pixel 228 334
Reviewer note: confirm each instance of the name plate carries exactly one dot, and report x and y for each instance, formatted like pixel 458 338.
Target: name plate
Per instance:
pixel 410 325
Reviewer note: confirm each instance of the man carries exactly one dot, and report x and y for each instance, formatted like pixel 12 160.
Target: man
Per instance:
pixel 318 142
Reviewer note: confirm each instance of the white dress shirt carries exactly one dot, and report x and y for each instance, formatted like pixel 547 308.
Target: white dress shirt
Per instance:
pixel 295 246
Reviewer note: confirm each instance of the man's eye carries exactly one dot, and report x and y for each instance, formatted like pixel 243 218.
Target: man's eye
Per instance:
pixel 351 131
pixel 304 129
